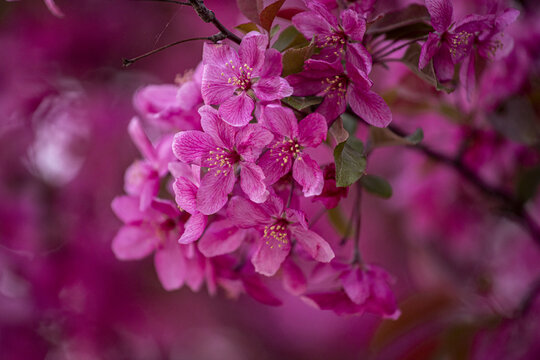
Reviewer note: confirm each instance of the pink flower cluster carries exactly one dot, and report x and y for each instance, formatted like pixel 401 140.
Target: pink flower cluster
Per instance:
pixel 239 169
pixel 220 195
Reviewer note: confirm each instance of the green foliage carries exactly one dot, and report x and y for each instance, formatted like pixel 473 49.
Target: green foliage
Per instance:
pixel 376 185
pixel 411 59
pixel 301 103
pixel 380 137
pixel 350 162
pixel 527 184
pixel 268 14
pixel 294 59
pixel 247 27
pixel 290 37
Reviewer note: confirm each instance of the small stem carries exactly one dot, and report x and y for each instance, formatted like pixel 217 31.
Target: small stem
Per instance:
pixel 290 194
pixel 378 54
pixel 357 258
pixel 317 217
pixel 208 16
pixel 169 1
pixel 213 38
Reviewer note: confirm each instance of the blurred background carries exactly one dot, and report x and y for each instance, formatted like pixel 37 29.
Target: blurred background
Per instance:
pixel 466 274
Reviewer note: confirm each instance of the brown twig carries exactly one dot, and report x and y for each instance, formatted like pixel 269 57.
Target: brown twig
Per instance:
pixel 208 16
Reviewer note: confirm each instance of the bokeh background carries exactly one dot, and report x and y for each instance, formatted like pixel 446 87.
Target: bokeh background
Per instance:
pixel 464 272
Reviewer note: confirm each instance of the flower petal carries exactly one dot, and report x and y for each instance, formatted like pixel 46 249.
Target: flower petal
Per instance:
pixel 246 214
pixel 185 194
pixel 294 280
pixel 236 110
pixel 221 238
pixel 219 54
pixel 332 106
pixel 170 266
pixel 252 182
pixel 127 209
pixel 133 243
pixel 369 106
pixel 309 175
pixel 358 56
pixel 270 254
pixel 353 24
pixel 222 133
pixel 215 87
pixel 429 48
pixel 190 146
pixel 141 140
pixel 280 121
pixel 441 14
pixel 252 49
pixel 251 140
pixel 355 285
pixel 311 24
pixel 272 88
pixel 443 65
pixel 312 130
pixel 273 65
pixel 193 228
pixel 315 245
pixel 275 164
pixel 216 185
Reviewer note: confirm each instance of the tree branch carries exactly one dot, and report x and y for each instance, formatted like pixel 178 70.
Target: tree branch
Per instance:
pixel 214 38
pixel 514 206
pixel 208 16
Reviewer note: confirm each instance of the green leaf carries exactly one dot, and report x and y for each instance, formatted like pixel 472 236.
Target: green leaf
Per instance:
pixel 247 27
pixel 350 123
pixel 516 119
pixel 527 184
pixel 376 185
pixel 338 132
pixel 412 58
pixel 380 137
pixel 411 15
pixel 269 13
pixel 294 59
pixel 289 37
pixel 301 103
pixel 350 162
pixel 337 219
pixel 274 31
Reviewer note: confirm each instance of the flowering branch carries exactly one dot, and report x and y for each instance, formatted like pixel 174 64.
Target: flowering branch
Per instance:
pixel 512 204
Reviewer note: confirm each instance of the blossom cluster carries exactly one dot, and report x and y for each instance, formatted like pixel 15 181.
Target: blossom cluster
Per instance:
pixel 221 195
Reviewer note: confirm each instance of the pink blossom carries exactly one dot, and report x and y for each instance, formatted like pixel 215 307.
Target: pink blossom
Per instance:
pixel 278 227
pixel 172 106
pixel 142 178
pixel 151 230
pixel 225 151
pixel 448 45
pixel 331 195
pixel 333 37
pixel 232 79
pixel 361 289
pixel 339 89
pixel 287 149
pixel 185 189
